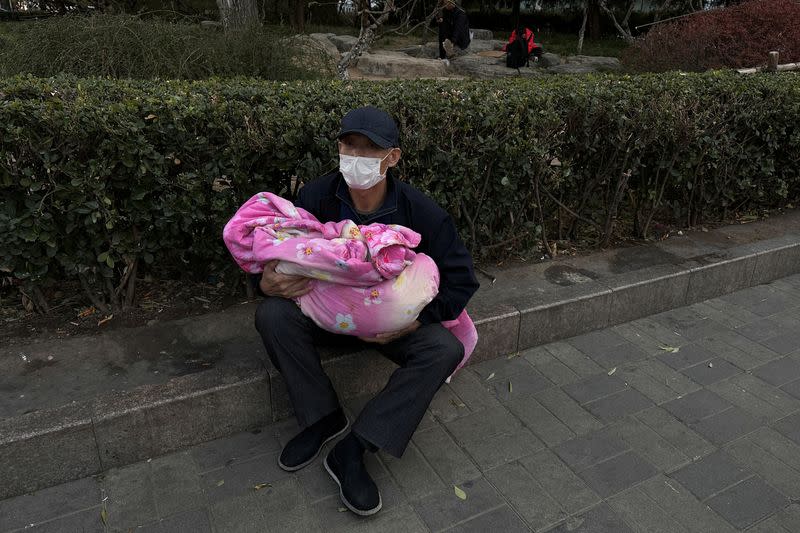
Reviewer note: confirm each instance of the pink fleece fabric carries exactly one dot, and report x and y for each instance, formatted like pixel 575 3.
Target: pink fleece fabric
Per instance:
pixel 366 279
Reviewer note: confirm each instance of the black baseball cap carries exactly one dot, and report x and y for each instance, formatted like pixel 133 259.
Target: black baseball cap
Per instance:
pixel 374 123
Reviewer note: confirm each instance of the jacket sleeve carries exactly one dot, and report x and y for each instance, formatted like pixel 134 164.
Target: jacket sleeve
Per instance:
pixel 457 281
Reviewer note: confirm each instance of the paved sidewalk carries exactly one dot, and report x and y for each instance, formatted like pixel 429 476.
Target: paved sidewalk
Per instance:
pixel 687 421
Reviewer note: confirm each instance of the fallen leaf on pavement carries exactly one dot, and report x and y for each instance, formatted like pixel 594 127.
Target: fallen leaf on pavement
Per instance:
pixel 490 376
pixel 220 482
pixel 670 349
pixel 460 493
pixel 87 312
pixel 259 486
pixel 611 372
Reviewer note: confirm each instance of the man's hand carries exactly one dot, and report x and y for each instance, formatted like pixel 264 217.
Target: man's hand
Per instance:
pixel 275 284
pixel 386 338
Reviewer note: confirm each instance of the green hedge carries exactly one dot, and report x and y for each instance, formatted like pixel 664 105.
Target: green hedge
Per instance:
pixel 100 175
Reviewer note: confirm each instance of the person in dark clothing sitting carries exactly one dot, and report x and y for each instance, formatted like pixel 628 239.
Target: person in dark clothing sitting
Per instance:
pixel 426 352
pixel 453 27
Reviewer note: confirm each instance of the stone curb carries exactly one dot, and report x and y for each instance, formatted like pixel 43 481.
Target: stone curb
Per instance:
pixel 52 446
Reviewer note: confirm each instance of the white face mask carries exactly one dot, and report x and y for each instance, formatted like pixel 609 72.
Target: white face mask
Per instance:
pixel 361 172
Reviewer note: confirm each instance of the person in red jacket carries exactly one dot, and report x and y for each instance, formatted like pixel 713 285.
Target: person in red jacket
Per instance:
pixel 527 37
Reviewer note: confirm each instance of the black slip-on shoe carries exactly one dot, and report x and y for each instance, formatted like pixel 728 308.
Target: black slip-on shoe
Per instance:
pixel 306 445
pixel 357 490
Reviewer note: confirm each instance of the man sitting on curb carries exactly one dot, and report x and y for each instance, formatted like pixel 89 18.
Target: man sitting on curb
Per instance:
pixel 426 352
pixel 454 35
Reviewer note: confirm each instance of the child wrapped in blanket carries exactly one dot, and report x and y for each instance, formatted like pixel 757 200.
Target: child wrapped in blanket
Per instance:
pixel 368 279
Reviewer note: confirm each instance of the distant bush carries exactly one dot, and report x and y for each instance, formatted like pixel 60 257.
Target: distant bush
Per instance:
pixel 739 36
pixel 124 46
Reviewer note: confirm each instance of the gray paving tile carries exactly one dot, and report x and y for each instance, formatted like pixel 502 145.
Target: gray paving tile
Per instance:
pixel 192 521
pixel 696 406
pixel 585 451
pixel 686 356
pixel 727 425
pixel 176 484
pixel 594 387
pixel 239 447
pixel 444 509
pixel 400 519
pixel 540 421
pixel 779 372
pixel 784 343
pixel 738 350
pixel 639 338
pixel 747 502
pixel 412 472
pixel 679 435
pixel 680 504
pixel 727 314
pixel 765 328
pixel 444 455
pixel 561 483
pixel 637 509
pixel 756 397
pixel 710 475
pixel 472 391
pixel 790 427
pixel 688 322
pixel 240 478
pixel 649 444
pixel 494 437
pixel 48 503
pixel 656 380
pixel 619 355
pixel 550 367
pixel 446 405
pixel 600 519
pixel 778 445
pixel 709 372
pixel 774 471
pixel 792 388
pixel 130 496
pixel 500 519
pixel 526 495
pixel 568 411
pixel 617 474
pixel 597 341
pixel 87 521
pixel 618 405
pixel 509 379
pixel 574 359
pixel 282 507
pixel 789 518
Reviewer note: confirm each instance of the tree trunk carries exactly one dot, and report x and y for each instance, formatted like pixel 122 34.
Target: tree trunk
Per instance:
pixel 583 26
pixel 593 19
pixel 515 8
pixel 298 17
pixel 236 14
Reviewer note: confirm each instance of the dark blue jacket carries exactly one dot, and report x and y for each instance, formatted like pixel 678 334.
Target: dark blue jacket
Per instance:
pixel 328 199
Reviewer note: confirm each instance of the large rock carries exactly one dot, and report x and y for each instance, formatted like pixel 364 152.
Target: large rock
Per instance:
pixel 475 66
pixel 388 64
pixel 481 35
pixel 343 42
pixel 325 44
pixel 571 68
pixel 598 63
pixel 549 60
pixel 427 50
pixel 484 45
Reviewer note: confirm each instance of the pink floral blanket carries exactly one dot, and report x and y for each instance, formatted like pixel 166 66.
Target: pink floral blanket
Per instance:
pixel 366 279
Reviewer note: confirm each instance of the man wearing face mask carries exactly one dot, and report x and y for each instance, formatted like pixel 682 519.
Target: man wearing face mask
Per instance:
pixel 363 190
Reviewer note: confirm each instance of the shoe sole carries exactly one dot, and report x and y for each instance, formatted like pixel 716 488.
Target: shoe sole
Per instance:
pixel 359 512
pixel 326 441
